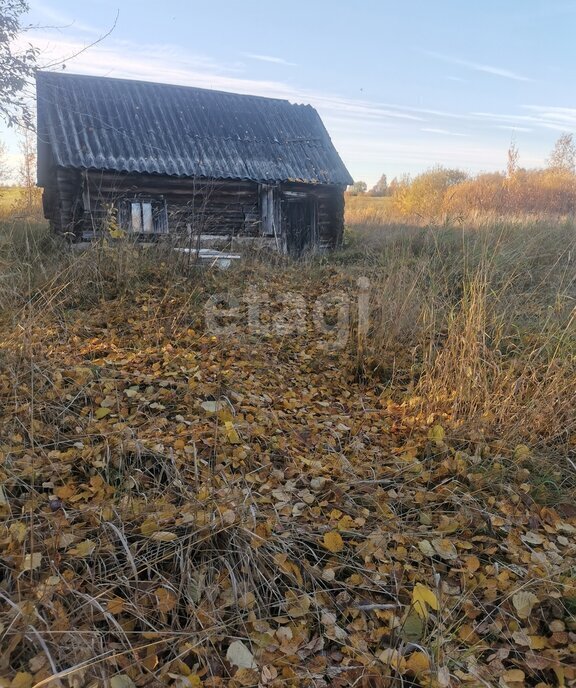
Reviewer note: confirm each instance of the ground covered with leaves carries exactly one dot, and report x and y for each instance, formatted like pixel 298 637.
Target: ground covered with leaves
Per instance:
pixel 185 509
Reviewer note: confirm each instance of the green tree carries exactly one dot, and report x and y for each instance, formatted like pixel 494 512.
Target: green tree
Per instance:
pixel 16 66
pixel 357 188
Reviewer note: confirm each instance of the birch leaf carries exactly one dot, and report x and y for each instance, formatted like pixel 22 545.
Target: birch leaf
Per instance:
pixel 437 434
pixel 523 602
pixel 231 433
pixel 22 679
pixel 122 681
pixel 418 663
pixel 164 536
pixel 333 541
pixel 422 598
pixel 83 549
pixel 445 549
pixel 101 412
pixel 240 656
pixel 31 561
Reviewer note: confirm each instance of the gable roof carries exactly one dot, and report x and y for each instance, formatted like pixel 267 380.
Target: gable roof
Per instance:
pixel 137 126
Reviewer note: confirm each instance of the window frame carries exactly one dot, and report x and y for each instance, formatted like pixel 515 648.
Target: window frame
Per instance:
pixel 145 216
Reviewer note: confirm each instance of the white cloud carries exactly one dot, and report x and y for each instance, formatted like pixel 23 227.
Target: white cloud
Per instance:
pixel 63 21
pixel 500 117
pixel 479 67
pixel 170 64
pixel 270 58
pixel 508 127
pixel 554 114
pixel 367 159
pixel 555 118
pixel 444 132
pixel 556 127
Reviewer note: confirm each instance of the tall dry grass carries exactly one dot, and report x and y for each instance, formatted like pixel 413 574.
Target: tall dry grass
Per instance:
pixel 45 274
pixel 369 210
pixel 477 324
pixel 480 325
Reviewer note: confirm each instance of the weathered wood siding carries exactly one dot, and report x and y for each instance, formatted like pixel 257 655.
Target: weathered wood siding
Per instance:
pixel 226 208
pixel 329 210
pixel 62 201
pixel 86 202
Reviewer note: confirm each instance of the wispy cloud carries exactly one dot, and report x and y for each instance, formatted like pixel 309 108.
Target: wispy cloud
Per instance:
pixel 270 58
pixel 502 117
pixel 464 153
pixel 443 132
pixel 545 117
pixel 64 21
pixel 478 66
pixel 170 64
pixel 456 78
pixel 509 127
pixel 554 115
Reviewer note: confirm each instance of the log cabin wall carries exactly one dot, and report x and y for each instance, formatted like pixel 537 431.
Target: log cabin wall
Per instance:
pixel 62 201
pixel 87 202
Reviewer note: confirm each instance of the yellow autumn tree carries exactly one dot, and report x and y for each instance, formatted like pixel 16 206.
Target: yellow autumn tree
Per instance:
pixel 425 196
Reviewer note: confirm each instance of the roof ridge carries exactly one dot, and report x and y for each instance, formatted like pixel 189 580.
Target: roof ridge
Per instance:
pixel 114 79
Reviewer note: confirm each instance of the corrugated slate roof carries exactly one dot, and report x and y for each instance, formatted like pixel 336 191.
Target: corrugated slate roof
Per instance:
pixel 137 126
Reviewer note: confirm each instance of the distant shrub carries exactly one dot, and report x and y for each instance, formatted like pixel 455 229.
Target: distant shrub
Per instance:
pixel 426 194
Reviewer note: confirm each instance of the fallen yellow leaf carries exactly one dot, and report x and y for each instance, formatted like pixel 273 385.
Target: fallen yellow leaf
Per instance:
pixel 418 663
pixel 122 681
pixel 436 434
pixel 231 434
pixel 22 680
pixel 101 412
pixel 115 605
pixel 148 527
pixel 240 656
pixel 514 676
pixel 166 599
pixel 333 541
pixel 422 598
pixel 472 563
pixel 18 531
pixel 393 658
pixel 445 549
pixel 164 536
pixel 83 549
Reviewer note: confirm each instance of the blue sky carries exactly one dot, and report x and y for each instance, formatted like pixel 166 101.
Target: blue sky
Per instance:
pixel 401 85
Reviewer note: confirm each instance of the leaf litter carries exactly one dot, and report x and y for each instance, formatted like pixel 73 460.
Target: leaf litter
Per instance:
pixel 181 509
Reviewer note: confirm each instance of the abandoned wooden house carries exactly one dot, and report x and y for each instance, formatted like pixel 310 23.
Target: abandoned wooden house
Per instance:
pixel 158 160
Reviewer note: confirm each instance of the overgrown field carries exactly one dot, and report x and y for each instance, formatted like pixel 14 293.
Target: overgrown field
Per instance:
pixel 9 196
pixel 354 471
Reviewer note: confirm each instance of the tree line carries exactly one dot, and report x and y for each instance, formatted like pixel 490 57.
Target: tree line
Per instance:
pixel 442 190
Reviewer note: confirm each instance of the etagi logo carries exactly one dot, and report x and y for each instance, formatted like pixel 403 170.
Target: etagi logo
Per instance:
pixel 329 316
